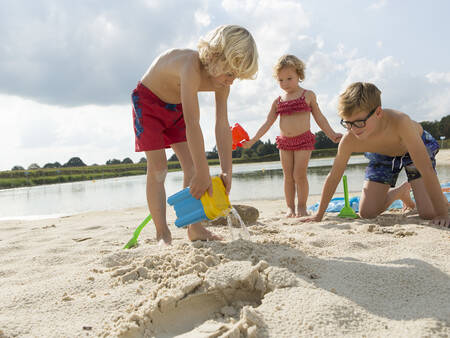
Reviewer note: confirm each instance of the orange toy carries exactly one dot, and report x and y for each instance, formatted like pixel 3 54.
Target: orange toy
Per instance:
pixel 238 134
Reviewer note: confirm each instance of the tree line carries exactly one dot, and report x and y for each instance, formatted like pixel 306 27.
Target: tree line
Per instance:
pixel 436 128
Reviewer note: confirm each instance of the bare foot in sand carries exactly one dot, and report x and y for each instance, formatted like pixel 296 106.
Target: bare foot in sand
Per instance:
pixel 404 195
pixel 164 237
pixel 196 232
pixel 290 213
pixel 302 212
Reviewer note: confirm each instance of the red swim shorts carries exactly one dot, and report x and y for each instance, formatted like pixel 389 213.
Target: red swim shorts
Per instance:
pixel 157 124
pixel 303 141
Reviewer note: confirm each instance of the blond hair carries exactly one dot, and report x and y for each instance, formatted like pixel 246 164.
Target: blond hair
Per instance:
pixel 229 49
pixel 359 96
pixel 288 60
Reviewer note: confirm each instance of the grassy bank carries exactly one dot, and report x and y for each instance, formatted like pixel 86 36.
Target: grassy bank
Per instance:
pixel 26 178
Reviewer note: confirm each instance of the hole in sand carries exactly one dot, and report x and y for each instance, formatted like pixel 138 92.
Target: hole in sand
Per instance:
pixel 209 314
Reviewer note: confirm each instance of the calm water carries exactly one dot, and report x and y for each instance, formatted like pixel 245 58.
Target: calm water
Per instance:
pixel 250 181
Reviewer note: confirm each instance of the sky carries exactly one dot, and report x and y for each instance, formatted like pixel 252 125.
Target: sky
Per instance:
pixel 67 68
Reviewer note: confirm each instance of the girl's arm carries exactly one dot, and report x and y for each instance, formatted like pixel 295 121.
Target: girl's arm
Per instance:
pixel 421 159
pixel 223 136
pixel 321 120
pixel 271 118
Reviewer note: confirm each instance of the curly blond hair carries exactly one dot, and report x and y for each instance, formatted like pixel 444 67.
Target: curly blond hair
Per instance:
pixel 359 96
pixel 289 60
pixel 229 49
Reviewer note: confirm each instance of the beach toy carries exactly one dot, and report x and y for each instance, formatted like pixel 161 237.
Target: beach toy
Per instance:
pixel 190 210
pixel 133 241
pixel 238 134
pixel 346 211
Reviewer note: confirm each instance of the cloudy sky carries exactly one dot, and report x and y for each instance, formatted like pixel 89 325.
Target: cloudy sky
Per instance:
pixel 67 67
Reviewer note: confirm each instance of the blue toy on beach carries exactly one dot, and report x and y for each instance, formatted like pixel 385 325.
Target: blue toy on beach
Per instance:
pixel 190 210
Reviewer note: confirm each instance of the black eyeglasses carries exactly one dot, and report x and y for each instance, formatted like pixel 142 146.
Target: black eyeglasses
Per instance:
pixel 358 123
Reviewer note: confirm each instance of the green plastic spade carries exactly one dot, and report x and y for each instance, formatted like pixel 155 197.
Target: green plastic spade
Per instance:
pixel 347 211
pixel 133 241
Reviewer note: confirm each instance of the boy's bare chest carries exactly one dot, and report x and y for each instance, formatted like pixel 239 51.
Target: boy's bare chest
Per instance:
pixel 386 143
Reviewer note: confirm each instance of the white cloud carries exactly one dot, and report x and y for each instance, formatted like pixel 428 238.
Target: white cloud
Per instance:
pixel 378 4
pixel 435 77
pixel 202 17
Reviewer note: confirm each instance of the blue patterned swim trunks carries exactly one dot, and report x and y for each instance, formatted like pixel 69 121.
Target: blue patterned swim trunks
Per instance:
pixel 385 169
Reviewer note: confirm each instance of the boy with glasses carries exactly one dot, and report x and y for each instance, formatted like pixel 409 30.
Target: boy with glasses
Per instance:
pixel 391 141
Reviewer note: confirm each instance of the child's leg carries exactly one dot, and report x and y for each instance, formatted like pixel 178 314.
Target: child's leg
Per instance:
pixel 423 202
pixel 195 231
pixel 287 163
pixel 377 197
pixel 156 194
pixel 301 160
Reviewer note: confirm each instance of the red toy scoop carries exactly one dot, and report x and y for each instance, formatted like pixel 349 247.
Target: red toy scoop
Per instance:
pixel 238 134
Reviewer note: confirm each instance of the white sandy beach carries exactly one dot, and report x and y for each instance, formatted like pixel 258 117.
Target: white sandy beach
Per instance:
pixel 70 277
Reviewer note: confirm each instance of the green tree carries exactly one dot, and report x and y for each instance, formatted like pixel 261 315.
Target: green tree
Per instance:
pixel 143 160
pixel 432 128
pixel 34 166
pixel 74 162
pixel 444 126
pixel 113 161
pixel 18 167
pixel 323 142
pixel 127 160
pixel 172 158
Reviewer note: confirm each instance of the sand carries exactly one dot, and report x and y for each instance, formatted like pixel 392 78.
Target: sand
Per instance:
pixel 70 277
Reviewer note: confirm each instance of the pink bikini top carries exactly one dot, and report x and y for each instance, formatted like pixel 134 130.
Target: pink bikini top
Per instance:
pixel 293 106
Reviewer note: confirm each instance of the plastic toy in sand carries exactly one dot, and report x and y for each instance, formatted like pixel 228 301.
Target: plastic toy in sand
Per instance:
pixel 239 135
pixel 133 241
pixel 190 210
pixel 346 211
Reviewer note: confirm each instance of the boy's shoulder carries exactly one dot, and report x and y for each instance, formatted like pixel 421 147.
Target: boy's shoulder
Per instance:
pixel 397 120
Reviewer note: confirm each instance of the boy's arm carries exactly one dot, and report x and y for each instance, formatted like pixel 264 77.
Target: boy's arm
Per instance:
pixel 333 178
pixel 223 136
pixel 189 84
pixel 271 118
pixel 321 120
pixel 421 160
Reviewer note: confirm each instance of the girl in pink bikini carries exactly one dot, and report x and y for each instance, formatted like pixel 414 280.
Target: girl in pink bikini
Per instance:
pixel 296 141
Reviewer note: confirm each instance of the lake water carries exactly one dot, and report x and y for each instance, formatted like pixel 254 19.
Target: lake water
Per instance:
pixel 251 181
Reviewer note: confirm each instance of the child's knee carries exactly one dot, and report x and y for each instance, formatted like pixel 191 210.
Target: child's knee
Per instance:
pixel 300 177
pixel 368 213
pixel 157 176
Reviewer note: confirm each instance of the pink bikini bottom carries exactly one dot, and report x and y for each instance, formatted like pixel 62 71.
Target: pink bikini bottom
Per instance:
pixel 303 141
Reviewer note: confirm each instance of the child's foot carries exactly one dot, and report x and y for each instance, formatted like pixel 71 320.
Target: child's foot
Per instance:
pixel 302 212
pixel 290 213
pixel 408 203
pixel 197 232
pixel 164 237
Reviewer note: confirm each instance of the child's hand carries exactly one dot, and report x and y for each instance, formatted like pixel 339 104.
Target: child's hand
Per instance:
pixel 226 179
pixel 314 218
pixel 248 144
pixel 336 137
pixel 442 221
pixel 199 184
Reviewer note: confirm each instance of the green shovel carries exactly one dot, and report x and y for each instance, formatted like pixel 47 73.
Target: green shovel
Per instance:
pixel 347 211
pixel 133 241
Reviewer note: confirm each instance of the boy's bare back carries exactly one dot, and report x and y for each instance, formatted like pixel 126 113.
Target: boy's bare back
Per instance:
pixel 164 75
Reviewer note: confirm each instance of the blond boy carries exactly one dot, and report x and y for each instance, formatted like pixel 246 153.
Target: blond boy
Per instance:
pixel 166 114
pixel 392 141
